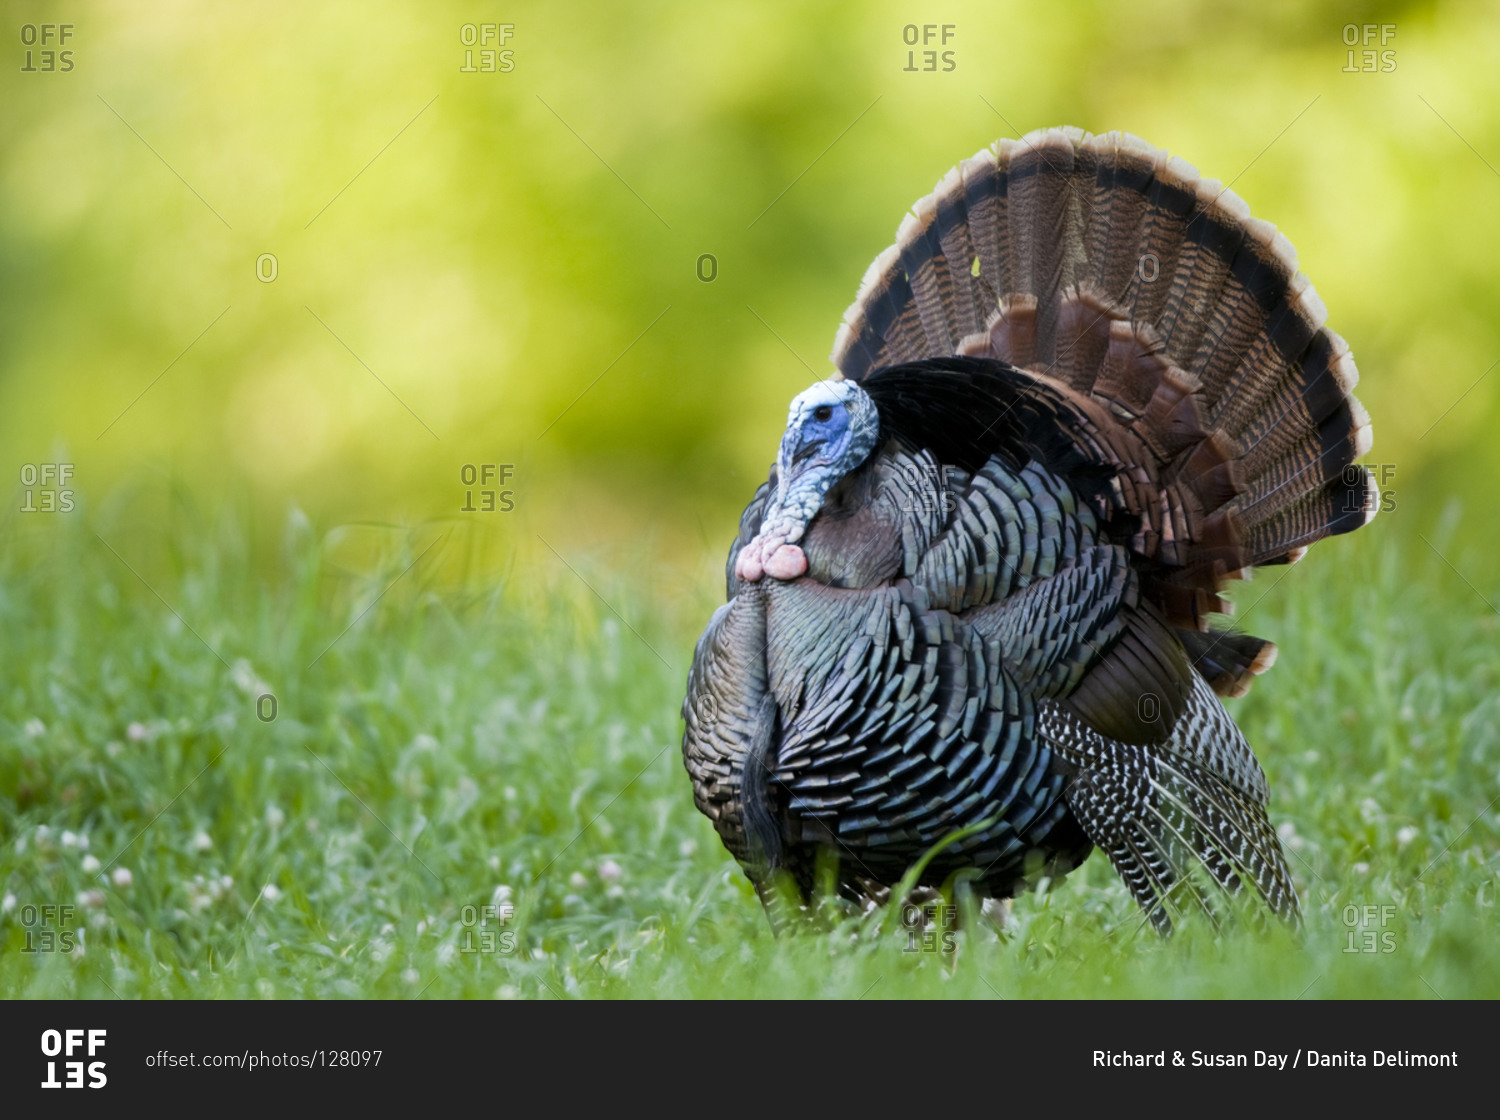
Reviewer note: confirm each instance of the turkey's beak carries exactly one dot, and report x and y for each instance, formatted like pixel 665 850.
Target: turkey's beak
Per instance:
pixel 795 456
pixel 807 450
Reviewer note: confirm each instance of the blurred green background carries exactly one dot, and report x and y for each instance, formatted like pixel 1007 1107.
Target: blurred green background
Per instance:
pixel 496 267
pixel 504 268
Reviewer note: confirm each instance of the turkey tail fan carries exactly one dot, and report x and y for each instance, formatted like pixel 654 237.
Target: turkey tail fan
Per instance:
pixel 1116 276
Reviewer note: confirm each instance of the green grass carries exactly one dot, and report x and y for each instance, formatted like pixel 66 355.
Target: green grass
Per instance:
pixel 452 742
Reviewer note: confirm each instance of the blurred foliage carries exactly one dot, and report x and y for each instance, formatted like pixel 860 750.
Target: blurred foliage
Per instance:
pixel 513 254
pixel 431 757
pixel 500 268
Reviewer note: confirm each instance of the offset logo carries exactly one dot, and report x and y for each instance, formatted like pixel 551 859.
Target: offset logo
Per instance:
pixel 926 35
pixel 46 488
pixel 494 497
pixel 66 1044
pixel 492 60
pixel 47 929
pixel 50 37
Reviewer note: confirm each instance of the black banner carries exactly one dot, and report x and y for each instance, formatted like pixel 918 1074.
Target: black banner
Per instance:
pixel 159 1053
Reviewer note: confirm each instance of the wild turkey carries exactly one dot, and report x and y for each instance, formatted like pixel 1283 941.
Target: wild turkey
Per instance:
pixel 1082 391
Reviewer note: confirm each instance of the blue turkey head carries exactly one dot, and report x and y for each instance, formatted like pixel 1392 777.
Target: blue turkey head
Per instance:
pixel 830 430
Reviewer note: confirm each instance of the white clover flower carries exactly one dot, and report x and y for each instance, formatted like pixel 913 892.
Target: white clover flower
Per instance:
pixel 1406 835
pixel 270 892
pixel 137 732
pixel 34 728
pixel 69 838
pixel 687 848
pixel 122 877
pixel 201 842
pixel 501 895
pixel 90 865
pixel 1361 868
pixel 610 871
pixel 275 818
pixel 243 675
pixel 412 977
pixel 578 880
pixel 8 903
pixel 91 900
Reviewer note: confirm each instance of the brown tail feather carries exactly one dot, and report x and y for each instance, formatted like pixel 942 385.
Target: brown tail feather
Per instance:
pixel 1179 321
pixel 1229 662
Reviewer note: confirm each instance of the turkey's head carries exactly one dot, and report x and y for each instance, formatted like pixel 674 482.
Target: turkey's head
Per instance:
pixel 830 429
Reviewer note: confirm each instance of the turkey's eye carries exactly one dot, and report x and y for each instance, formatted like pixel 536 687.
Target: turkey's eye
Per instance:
pixel 822 414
